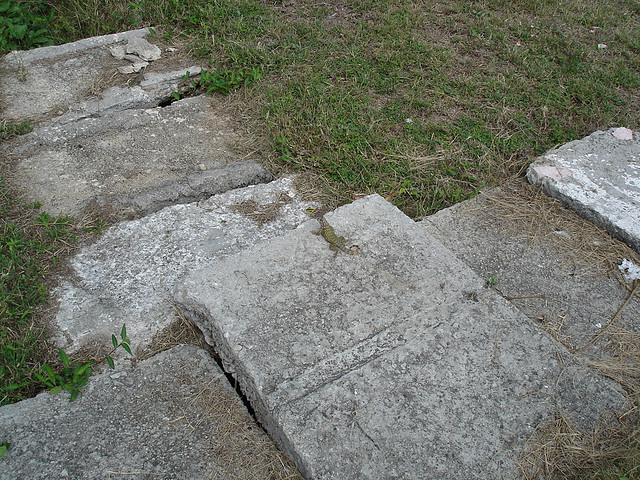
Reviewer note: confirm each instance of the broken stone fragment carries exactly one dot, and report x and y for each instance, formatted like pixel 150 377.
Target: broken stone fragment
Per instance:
pixel 540 172
pixel 143 49
pixel 135 68
pixel 117 51
pixel 133 58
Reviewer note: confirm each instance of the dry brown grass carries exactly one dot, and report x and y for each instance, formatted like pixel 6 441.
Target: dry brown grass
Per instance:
pixel 240 445
pixel 559 449
pixel 611 451
pixel 180 332
pixel 527 211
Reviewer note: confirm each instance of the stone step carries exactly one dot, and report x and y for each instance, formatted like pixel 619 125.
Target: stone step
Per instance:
pixel 102 146
pixel 126 276
pixel 559 269
pixel 397 362
pixel 132 163
pixel 172 416
pixel 65 83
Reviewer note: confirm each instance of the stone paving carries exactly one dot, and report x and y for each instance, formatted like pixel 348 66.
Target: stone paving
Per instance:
pixel 397 362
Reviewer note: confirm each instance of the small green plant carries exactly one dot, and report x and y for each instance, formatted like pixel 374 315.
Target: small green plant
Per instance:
pixel 492 282
pixel 9 130
pixel 3 448
pixel 220 81
pixel 24 24
pixel 175 96
pixel 96 227
pixel 55 227
pixel 74 375
pixel 225 81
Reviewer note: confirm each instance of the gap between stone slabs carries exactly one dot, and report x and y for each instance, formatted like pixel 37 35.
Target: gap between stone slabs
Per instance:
pixel 172 416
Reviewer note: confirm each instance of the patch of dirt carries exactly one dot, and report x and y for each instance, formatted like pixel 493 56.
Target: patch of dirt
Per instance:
pixel 262 213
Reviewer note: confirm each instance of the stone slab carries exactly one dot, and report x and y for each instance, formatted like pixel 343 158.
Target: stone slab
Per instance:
pixel 67 82
pixel 134 162
pixel 394 363
pixel 127 275
pixel 142 423
pixel 540 255
pixel 598 177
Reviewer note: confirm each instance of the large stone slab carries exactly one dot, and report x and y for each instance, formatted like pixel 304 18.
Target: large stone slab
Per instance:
pixel 151 421
pixel 80 79
pixel 553 265
pixel 127 275
pixel 598 177
pixel 133 162
pixel 394 363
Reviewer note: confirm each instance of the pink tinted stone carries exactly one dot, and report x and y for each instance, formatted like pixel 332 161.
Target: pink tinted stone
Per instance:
pixel 623 133
pixel 551 171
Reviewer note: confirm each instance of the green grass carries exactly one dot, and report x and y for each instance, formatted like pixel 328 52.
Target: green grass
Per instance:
pixel 9 130
pixel 24 24
pixel 32 243
pixel 29 241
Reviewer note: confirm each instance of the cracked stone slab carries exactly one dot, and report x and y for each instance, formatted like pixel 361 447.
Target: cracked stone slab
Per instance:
pixel 598 177
pixel 395 363
pixel 127 275
pixel 144 422
pixel 68 82
pixel 134 162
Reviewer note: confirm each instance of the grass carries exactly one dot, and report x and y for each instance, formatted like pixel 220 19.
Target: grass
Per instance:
pixel 423 102
pixel 27 252
pixel 32 243
pixel 611 451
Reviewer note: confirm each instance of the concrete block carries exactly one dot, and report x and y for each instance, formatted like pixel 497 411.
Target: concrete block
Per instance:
pixel 396 363
pixel 546 267
pixel 598 177
pixel 81 79
pixel 143 422
pixel 126 276
pixel 134 162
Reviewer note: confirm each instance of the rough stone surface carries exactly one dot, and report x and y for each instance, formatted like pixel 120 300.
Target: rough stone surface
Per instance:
pixel 127 275
pixel 142 423
pixel 146 91
pixel 535 250
pixel 394 363
pixel 132 162
pixel 47 82
pixel 598 177
pixel 143 49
